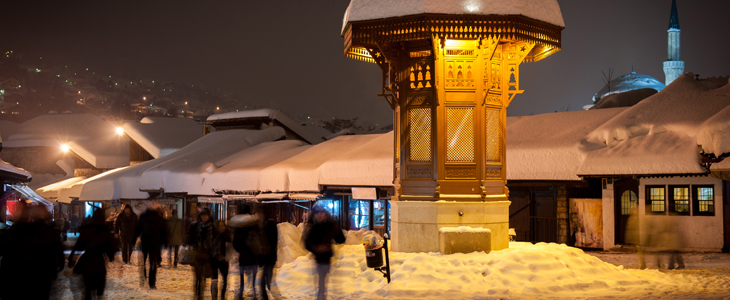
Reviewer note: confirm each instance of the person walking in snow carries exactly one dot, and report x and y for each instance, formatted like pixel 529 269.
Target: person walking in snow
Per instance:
pixel 124 228
pixel 319 241
pixel 175 235
pixel 267 261
pixel 247 243
pixel 151 230
pixel 200 237
pixel 220 259
pixel 95 241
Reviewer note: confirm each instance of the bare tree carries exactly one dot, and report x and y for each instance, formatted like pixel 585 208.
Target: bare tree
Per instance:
pixel 607 79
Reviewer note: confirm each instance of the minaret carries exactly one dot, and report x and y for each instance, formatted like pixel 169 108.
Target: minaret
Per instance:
pixel 673 67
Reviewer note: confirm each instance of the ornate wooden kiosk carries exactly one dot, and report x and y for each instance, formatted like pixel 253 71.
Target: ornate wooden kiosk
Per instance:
pixel 449 79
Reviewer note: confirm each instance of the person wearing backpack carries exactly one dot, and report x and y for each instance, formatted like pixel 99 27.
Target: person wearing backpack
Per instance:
pixel 247 244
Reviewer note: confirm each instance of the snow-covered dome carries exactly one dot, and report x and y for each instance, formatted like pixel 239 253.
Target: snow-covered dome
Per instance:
pixel 542 10
pixel 629 82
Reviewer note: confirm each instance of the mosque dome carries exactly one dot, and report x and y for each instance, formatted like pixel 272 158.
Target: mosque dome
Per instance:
pixel 629 82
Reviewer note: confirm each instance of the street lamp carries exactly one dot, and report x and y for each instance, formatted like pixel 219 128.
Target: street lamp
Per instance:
pixel 120 130
pixel 64 148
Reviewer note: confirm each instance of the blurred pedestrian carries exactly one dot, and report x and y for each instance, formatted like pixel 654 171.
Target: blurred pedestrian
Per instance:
pixel 200 237
pixel 671 241
pixel 267 259
pixel 32 255
pixel 246 242
pixel 175 235
pixel 66 227
pixel 75 223
pixel 220 258
pixel 633 235
pixel 96 241
pixel 124 228
pixel 319 241
pixel 151 230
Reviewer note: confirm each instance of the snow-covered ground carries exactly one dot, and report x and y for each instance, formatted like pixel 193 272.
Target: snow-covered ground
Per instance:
pixel 524 271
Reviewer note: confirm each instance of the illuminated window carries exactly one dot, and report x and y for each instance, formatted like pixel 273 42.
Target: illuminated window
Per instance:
pixel 419 134
pixel 459 135
pixel 704 200
pixel 358 214
pixel 655 200
pixel 679 200
pixel 628 202
pixel 494 135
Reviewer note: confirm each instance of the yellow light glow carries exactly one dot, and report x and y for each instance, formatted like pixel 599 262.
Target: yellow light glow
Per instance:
pixel 144 98
pixel 79 92
pixel 217 108
pixel 451 43
pixel 186 103
pixel 65 148
pixel 120 130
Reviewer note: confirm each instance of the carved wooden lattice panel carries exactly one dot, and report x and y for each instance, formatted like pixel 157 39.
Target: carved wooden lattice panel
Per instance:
pixel 459 134
pixel 496 71
pixel 494 136
pixel 460 74
pixel 420 75
pixel 419 121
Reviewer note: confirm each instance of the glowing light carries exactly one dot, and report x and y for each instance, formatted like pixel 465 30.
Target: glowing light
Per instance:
pixel 79 92
pixel 65 148
pixel 120 130
pixel 144 98
pixel 186 103
pixel 330 205
pixel 217 108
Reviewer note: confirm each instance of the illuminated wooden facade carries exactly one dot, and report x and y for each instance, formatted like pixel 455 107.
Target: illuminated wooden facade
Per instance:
pixel 449 80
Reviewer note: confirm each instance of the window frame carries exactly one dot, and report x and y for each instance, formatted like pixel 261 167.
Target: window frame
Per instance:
pixel 671 207
pixel 696 200
pixel 648 201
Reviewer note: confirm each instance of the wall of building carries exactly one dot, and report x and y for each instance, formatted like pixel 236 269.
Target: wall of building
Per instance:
pixel 693 232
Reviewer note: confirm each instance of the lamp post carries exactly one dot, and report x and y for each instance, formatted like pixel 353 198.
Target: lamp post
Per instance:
pixel 449 74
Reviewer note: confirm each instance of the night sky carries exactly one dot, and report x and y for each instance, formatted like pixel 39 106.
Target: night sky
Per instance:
pixel 289 54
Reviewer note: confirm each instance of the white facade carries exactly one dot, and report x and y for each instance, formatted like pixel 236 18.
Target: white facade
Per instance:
pixel 694 232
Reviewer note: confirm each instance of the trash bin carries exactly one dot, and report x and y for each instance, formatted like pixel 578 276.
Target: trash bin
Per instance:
pixel 374 257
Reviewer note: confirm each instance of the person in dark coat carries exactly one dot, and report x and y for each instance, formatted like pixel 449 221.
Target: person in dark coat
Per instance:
pixel 245 241
pixel 219 258
pixel 124 228
pixel 32 255
pixel 75 223
pixel 152 232
pixel 175 236
pixel 200 237
pixel 319 241
pixel 267 261
pixel 96 241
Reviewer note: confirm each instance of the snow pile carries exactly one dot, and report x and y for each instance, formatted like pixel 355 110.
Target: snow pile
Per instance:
pixel 363 10
pixel 542 270
pixel 161 136
pixel 464 229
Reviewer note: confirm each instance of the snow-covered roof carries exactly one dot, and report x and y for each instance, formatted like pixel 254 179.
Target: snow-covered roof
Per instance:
pixel 189 167
pixel 302 172
pixel 370 163
pixel 548 146
pixel 53 190
pixel 87 135
pixel 8 168
pixel 161 136
pixel 311 134
pixel 120 183
pixel 542 10
pixel 663 134
pixel 629 82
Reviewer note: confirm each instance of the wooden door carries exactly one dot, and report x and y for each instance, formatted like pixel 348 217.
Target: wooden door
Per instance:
pixel 625 194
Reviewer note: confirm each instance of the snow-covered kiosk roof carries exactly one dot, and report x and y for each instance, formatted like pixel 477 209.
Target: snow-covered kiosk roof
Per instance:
pixel 87 135
pixel 53 190
pixel 12 174
pixel 309 134
pixel 367 164
pixel 367 23
pixel 161 136
pixel 188 169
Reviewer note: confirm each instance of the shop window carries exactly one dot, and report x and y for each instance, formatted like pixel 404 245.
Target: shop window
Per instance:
pixel 358 214
pixel 379 213
pixel 655 200
pixel 332 206
pixel 704 200
pixel 679 200
pixel 628 202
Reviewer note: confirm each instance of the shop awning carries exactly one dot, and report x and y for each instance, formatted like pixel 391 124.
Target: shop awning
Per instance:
pixel 271 196
pixel 304 196
pixel 29 194
pixel 240 197
pixel 217 200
